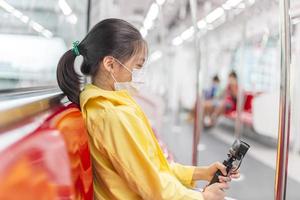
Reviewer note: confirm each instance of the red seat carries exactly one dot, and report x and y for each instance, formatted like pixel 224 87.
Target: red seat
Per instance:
pixel 68 120
pixel 36 167
pixel 248 97
pixel 52 163
pixel 246 115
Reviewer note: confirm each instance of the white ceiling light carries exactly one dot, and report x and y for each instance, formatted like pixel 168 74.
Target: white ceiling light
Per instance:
pixel 47 34
pixel 153 12
pixel 177 41
pixel 6 6
pixel 201 24
pixel 160 2
pixel 14 11
pixel 21 16
pixel 150 18
pixel 143 32
pixel 214 15
pixel 64 6
pixel 251 1
pixel 25 19
pixel 210 27
pixel 211 17
pixel 17 14
pixel 148 24
pixel 188 33
pixel 67 11
pixel 72 19
pixel 155 56
pixel 296 21
pixel 36 26
pixel 39 28
pixel 231 4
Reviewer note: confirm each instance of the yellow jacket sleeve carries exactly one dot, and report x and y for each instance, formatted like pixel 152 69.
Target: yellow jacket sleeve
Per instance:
pixel 125 138
pixel 184 173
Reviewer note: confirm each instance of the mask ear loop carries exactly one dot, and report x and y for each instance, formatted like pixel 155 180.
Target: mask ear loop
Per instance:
pixel 115 80
pixel 123 65
pixel 113 77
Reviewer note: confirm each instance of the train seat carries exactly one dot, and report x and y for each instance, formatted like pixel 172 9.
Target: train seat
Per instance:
pixel 69 122
pixel 246 115
pixel 36 167
pixel 52 162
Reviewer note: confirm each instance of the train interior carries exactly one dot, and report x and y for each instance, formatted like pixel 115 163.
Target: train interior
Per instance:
pixel 194 46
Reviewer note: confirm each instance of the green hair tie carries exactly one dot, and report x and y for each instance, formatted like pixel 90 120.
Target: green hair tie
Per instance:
pixel 75 48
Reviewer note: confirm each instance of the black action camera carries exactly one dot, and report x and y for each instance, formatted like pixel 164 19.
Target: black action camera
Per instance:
pixel 235 156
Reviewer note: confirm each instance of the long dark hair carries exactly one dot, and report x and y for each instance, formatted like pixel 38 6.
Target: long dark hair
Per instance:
pixel 110 37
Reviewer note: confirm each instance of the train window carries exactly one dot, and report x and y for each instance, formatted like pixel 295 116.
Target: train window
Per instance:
pixel 260 58
pixel 33 35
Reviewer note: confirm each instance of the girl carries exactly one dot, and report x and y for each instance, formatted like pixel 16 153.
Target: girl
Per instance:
pixel 128 163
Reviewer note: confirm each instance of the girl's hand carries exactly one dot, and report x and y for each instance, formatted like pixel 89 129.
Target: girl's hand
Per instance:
pixel 215 191
pixel 234 174
pixel 213 168
pixel 207 173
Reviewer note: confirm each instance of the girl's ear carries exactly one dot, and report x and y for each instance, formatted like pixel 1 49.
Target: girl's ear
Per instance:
pixel 108 63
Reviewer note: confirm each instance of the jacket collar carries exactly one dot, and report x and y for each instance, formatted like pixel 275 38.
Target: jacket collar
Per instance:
pixel 90 91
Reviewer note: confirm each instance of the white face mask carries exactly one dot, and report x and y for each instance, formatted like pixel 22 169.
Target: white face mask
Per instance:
pixel 137 80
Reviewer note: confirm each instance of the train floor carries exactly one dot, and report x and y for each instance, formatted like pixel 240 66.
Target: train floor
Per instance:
pixel 257 170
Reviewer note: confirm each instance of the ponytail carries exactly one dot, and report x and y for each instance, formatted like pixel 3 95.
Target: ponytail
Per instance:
pixel 68 80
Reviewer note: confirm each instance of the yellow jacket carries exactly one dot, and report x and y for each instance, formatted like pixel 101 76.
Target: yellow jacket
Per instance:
pixel 128 163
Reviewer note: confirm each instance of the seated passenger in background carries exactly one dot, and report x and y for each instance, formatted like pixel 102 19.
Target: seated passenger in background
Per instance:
pixel 212 99
pixel 215 91
pixel 213 109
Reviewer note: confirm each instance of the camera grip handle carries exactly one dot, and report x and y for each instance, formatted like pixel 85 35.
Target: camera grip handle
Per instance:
pixel 215 179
